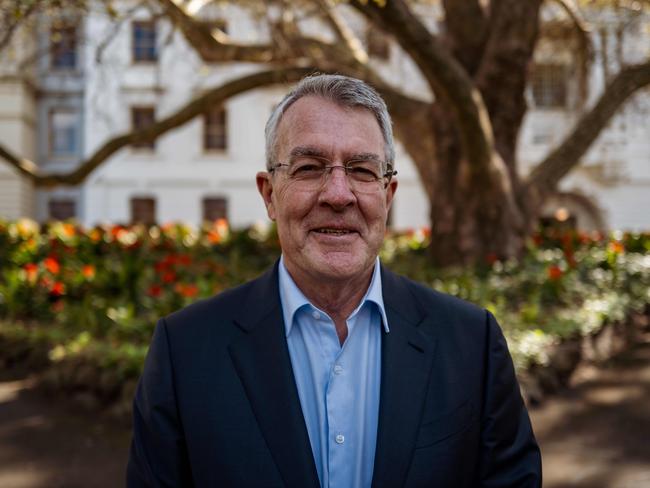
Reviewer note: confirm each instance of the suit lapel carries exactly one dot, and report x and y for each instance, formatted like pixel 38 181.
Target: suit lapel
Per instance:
pixel 262 361
pixel 406 361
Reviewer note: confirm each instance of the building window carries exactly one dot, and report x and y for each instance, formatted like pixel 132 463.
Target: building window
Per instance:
pixel 549 86
pixel 377 43
pixel 141 118
pixel 63 133
pixel 143 211
pixel 215 135
pixel 215 208
pixel 63 46
pixel 61 209
pixel 144 42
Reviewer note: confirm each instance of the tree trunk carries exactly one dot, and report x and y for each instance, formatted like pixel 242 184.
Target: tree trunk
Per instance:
pixel 464 229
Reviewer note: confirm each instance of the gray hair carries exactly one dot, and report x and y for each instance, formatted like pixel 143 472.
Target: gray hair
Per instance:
pixel 343 90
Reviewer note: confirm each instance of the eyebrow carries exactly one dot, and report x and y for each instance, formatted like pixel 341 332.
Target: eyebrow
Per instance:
pixel 314 151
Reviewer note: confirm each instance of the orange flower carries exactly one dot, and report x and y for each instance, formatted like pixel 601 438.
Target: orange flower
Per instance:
pixel 214 237
pixel 554 272
pixel 88 270
pixel 221 225
pixel 31 270
pixel 616 247
pixel 58 289
pixel 68 229
pixel 95 235
pixel 187 290
pixel 52 265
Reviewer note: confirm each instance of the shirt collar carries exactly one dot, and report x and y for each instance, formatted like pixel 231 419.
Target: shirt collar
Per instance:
pixel 292 299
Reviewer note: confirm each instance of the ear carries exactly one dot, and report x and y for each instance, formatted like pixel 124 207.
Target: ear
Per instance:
pixel 265 187
pixel 390 193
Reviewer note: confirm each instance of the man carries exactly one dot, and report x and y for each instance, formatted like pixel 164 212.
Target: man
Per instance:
pixel 329 370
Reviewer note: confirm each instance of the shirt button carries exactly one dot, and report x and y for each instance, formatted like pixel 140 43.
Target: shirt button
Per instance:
pixel 340 439
pixel 316 315
pixel 338 369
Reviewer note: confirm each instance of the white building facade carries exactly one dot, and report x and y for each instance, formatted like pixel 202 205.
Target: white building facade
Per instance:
pixel 115 76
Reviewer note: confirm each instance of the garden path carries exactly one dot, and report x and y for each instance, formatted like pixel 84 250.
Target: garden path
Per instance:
pixel 595 435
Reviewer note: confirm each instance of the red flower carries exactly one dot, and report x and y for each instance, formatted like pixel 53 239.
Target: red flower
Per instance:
pixel 554 272
pixel 52 265
pixel 491 258
pixel 58 289
pixel 154 290
pixel 169 277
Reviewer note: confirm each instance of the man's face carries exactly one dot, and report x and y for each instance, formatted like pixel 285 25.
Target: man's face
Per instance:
pixel 332 233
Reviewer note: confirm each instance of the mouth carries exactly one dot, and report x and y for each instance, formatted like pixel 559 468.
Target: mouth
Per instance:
pixel 334 231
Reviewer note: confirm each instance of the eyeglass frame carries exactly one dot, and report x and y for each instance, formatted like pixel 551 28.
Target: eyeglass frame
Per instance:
pixel 346 166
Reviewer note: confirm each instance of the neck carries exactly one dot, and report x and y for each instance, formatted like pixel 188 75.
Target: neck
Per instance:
pixel 337 298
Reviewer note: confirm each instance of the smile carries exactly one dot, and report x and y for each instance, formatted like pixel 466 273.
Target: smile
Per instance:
pixel 336 232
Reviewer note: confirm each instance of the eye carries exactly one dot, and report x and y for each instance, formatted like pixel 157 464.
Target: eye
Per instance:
pixel 306 167
pixel 363 170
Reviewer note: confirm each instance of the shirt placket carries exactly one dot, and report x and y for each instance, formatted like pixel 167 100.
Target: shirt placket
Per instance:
pixel 339 397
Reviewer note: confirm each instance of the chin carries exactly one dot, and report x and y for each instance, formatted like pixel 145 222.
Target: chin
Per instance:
pixel 341 265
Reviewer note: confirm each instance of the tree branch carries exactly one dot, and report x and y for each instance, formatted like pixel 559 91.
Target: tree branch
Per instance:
pixel 466 24
pixel 214 49
pixel 501 77
pixel 545 177
pixel 343 31
pixel 185 114
pixel 319 55
pixel 448 80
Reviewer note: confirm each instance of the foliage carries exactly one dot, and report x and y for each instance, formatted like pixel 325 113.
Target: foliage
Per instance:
pixel 98 292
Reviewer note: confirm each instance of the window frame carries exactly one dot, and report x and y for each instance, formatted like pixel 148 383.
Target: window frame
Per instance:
pixel 58 50
pixel 135 126
pixel 54 201
pixel 51 137
pixel 133 218
pixel 549 86
pixel 215 129
pixel 215 201
pixel 144 54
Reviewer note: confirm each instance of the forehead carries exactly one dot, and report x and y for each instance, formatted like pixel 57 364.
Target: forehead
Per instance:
pixel 336 130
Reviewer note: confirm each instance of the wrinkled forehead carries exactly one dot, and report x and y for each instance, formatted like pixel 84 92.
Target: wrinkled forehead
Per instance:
pixel 335 130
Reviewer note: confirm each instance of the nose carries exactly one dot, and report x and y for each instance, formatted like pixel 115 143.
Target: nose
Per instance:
pixel 336 191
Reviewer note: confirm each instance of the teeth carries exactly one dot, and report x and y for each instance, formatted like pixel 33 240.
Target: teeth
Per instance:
pixel 337 232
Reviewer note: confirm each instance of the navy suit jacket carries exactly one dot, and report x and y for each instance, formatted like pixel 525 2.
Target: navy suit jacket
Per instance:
pixel 217 405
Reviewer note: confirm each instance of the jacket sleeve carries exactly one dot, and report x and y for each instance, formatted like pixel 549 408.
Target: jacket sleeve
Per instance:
pixel 158 455
pixel 510 456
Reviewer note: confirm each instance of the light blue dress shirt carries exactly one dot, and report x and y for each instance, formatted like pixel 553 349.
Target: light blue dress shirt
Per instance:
pixel 338 385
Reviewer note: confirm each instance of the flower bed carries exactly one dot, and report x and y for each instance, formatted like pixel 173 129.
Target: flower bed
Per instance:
pixel 85 301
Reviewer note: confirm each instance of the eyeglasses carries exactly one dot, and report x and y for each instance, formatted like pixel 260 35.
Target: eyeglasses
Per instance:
pixel 311 172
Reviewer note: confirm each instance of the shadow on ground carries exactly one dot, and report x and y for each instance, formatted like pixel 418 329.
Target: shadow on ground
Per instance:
pixel 50 442
pixel 597 434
